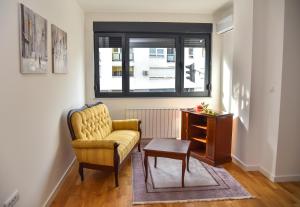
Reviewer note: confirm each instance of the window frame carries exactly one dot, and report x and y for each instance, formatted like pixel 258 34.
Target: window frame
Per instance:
pixel 179 63
pixel 207 77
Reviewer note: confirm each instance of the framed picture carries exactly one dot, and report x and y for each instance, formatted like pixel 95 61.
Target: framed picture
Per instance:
pixel 33 42
pixel 59 50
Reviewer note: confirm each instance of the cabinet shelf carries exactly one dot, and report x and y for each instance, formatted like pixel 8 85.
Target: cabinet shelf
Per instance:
pixel 200 126
pixel 199 139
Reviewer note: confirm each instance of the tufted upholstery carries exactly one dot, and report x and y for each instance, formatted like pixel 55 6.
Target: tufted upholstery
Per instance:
pixel 96 134
pixel 92 123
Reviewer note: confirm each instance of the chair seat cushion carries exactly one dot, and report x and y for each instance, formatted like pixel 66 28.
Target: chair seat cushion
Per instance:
pixel 126 140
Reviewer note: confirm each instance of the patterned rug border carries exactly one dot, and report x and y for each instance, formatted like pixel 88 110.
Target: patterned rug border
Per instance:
pixel 193 200
pixel 184 200
pixel 221 183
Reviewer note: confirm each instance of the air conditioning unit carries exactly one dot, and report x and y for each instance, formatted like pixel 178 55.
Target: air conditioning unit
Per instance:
pixel 225 24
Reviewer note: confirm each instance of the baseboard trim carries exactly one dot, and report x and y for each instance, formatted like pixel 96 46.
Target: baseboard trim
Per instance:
pixel 287 178
pixel 243 165
pixel 247 167
pixel 58 185
pixel 266 173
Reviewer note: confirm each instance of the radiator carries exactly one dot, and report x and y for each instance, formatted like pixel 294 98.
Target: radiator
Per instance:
pixel 157 122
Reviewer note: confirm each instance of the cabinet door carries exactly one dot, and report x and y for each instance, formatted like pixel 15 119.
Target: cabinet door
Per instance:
pixel 184 125
pixel 223 138
pixel 211 136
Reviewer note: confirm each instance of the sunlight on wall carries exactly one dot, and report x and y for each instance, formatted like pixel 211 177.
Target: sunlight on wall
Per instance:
pixel 240 103
pixel 235 99
pixel 226 70
pixel 226 86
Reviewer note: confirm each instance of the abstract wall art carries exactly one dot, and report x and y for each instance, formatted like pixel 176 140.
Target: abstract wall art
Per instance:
pixel 59 50
pixel 33 42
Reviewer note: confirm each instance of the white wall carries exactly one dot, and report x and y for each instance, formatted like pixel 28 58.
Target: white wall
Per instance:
pixel 266 76
pixel 243 146
pixel 118 105
pixel 35 150
pixel 256 81
pixel 226 57
pixel 266 61
pixel 289 131
pixel 226 69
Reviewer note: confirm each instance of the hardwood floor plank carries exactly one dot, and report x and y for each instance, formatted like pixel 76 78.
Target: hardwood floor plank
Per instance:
pixel 98 189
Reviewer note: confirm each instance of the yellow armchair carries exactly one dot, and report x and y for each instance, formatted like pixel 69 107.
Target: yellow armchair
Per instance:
pixel 98 141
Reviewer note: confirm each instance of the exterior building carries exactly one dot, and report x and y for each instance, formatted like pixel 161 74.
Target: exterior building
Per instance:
pixel 151 69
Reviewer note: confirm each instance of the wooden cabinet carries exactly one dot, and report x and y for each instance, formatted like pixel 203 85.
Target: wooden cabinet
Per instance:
pixel 210 136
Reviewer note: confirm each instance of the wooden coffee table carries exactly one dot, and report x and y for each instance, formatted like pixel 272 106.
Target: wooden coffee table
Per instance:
pixel 169 148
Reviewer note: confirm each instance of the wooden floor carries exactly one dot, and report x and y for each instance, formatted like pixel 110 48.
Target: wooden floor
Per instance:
pixel 98 190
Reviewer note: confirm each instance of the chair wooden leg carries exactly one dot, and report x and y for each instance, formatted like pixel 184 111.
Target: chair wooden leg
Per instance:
pixel 116 164
pixel 117 175
pixel 140 130
pixel 81 171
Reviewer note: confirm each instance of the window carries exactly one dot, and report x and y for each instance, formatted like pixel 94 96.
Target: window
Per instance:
pixel 116 54
pixel 152 52
pixel 160 52
pixel 131 56
pixel 194 68
pixel 191 53
pixel 117 71
pixel 152 75
pixel 152 59
pixel 171 54
pixel 156 52
pixel 110 66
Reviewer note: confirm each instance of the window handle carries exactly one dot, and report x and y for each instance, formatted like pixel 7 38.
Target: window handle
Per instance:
pixel 208 86
pixel 95 88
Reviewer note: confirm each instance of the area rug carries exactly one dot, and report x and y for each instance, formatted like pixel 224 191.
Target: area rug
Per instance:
pixel 202 183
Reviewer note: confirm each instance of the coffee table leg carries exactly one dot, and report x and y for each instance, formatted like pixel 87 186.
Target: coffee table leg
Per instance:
pixel 183 171
pixel 155 162
pixel 146 166
pixel 188 161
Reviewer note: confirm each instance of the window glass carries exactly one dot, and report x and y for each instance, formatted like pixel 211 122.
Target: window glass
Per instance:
pixel 110 64
pixel 194 65
pixel 152 70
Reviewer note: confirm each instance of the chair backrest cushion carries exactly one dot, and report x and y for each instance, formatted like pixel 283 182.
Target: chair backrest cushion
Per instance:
pixel 92 123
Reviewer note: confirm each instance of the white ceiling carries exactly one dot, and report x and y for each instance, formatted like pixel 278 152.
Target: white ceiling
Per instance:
pixel 153 6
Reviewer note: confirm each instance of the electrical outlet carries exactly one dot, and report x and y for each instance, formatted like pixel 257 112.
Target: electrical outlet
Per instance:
pixel 12 200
